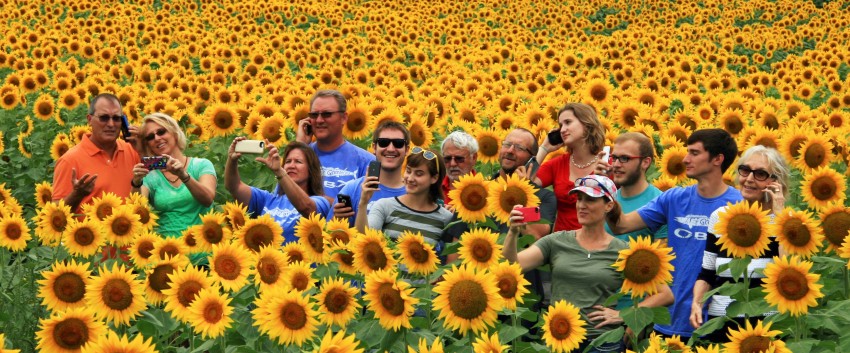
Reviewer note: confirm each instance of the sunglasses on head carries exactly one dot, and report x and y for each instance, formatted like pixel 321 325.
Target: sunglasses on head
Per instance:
pixel 105 118
pixel 431 156
pixel 324 115
pixel 593 183
pixel 758 174
pixel 385 142
pixel 159 132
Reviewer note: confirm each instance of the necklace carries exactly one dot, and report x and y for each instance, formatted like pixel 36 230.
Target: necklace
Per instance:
pixel 176 178
pixel 582 166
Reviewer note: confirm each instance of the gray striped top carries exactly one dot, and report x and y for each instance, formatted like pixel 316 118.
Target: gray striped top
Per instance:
pixel 393 217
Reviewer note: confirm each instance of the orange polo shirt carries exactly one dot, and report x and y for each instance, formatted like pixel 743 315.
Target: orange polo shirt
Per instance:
pixel 114 173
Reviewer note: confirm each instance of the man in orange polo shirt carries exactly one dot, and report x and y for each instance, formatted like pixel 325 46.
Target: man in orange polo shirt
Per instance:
pixel 101 162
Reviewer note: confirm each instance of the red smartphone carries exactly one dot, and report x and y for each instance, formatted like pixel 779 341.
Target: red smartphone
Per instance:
pixel 530 214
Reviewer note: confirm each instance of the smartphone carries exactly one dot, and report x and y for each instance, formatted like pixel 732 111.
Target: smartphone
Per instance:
pixel 125 127
pixel 607 151
pixel 344 199
pixel 308 129
pixel 250 146
pixel 767 198
pixel 554 137
pixel 530 214
pixel 155 162
pixel 531 167
pixel 374 169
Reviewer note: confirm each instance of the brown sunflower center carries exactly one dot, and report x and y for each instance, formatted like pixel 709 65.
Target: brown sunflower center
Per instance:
pixel 418 135
pixel 481 250
pixel 223 119
pixel 300 281
pixel 467 299
pixel 815 155
pixel 258 236
pixel 83 236
pixel 213 312
pixel 373 256
pixel 507 286
pixel 146 249
pixel 792 284
pixel 14 231
pixel 598 92
pixel 268 270
pixel 45 109
pixel 189 239
pixel 187 291
pixel 158 279
pixel 213 233
pixel 390 299
pixel 237 220
pixel 796 232
pixel 417 252
pixel 293 316
pixel 69 287
pixel 315 239
pixel 511 196
pixel 356 121
pixel 295 256
pixel 733 124
pixel 795 145
pixel 675 165
pixel 744 230
pixel 754 344
pixel 71 334
pixel 642 266
pixel 121 226
pixel 339 236
pixel 227 267
pixel 346 258
pixel 560 327
pixel 46 196
pixel 144 214
pixel 58 220
pixel 117 294
pixel 336 300
pixel 168 250
pixel 824 188
pixel 474 197
pixel 488 146
pixel 836 226
pixel 103 211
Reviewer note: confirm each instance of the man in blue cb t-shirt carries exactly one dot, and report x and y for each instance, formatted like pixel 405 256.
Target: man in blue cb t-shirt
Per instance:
pixel 341 160
pixel 685 211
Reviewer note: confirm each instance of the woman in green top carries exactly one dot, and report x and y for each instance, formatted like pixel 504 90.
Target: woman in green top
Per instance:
pixel 182 191
pixel 581 260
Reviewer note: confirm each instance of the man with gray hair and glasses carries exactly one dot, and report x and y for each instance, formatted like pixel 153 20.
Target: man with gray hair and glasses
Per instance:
pixel 460 151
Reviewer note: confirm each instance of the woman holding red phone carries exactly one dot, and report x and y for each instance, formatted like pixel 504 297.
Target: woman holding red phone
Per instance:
pixel 581 260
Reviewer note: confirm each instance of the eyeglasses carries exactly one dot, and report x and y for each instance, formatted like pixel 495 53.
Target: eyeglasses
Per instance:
pixel 758 174
pixel 324 115
pixel 159 132
pixel 384 142
pixel 516 146
pixel 593 183
pixel 623 159
pixel 457 159
pixel 431 156
pixel 105 118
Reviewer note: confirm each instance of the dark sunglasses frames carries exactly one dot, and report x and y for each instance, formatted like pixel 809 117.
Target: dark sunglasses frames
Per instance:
pixel 159 132
pixel 324 115
pixel 758 174
pixel 385 142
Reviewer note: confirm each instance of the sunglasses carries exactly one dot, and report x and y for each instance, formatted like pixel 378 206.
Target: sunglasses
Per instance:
pixel 159 132
pixel 383 142
pixel 758 174
pixel 105 118
pixel 324 115
pixel 431 156
pixel 593 183
pixel 516 146
pixel 623 159
pixel 457 159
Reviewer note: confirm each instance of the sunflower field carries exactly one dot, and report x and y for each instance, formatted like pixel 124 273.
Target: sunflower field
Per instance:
pixel 771 73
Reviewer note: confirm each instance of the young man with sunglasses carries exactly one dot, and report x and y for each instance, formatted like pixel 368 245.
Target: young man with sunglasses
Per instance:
pixel 341 160
pixel 101 162
pixel 686 212
pixel 391 142
pixel 460 151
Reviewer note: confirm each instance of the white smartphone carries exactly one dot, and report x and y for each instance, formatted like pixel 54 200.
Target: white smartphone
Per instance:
pixel 607 151
pixel 250 146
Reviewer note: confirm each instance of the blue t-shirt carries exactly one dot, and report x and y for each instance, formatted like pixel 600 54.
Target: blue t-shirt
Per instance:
pixel 355 187
pixel 686 215
pixel 346 163
pixel 278 207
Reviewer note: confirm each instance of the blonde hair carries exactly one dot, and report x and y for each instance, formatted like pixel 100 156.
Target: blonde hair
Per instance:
pixel 169 124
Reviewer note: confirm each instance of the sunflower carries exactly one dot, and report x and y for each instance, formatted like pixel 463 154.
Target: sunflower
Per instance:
pixel 52 220
pixel 823 187
pixel 506 192
pixel 113 343
pixel 14 233
pixel 359 120
pixel 344 257
pixel 184 285
pixel 286 317
pixel 209 314
pixel 141 207
pixel 797 232
pixel 711 348
pixel 468 299
pixel 101 207
pixel 44 107
pixel 790 286
pixel 61 145
pixel 337 230
pixel 645 265
pixel 488 145
pixel 3 348
pixel 298 276
pixel 391 300
pixel 512 285
pixel 141 250
pixel 338 343
pixel 671 164
pixel 310 232
pixel 189 239
pixel 235 213
pixel 415 254
pixel 563 328
pixel 269 268
pixel 258 232
pixel 272 129
pixel 64 286
pixel 794 137
pixel 479 248
pixel 436 346
pixel 158 280
pixel 815 153
pixel 835 222
pixel 229 265
pixel 117 294
pixel 43 192
pixel 83 238
pixel 371 252
pixel 212 231
pixel 754 339
pixel 6 199
pixel 69 331
pixel 598 89
pixel 295 252
pixel 168 247
pixel 469 197
pixel 122 226
pixel 337 302
pixel 221 119
pixel 744 230
pixel 489 344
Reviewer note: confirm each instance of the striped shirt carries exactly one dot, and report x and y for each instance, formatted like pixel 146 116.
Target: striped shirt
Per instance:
pixel 393 217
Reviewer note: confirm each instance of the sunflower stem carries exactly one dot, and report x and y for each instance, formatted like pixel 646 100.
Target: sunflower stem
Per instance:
pixel 428 307
pixel 747 285
pixel 514 323
pixel 846 278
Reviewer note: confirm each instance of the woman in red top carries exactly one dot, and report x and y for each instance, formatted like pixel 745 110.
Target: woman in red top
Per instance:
pixel 583 136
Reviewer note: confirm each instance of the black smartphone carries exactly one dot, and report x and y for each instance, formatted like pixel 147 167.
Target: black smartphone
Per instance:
pixel 308 129
pixel 531 167
pixel 344 199
pixel 374 169
pixel 554 137
pixel 125 127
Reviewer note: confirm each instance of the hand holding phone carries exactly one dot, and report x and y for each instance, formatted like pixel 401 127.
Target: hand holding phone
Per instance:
pixel 308 129
pixel 374 169
pixel 125 127
pixel 554 137
pixel 531 168
pixel 155 162
pixel 343 199
pixel 530 214
pixel 250 146
pixel 607 153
